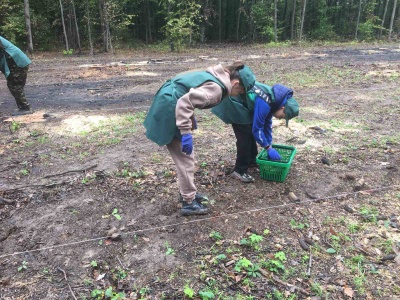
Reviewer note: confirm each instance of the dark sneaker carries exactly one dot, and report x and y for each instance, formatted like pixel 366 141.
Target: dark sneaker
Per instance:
pixel 246 178
pixel 21 112
pixel 199 198
pixel 193 208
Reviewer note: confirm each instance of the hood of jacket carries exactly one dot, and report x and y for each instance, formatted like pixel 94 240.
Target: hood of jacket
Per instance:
pixel 281 93
pixel 223 76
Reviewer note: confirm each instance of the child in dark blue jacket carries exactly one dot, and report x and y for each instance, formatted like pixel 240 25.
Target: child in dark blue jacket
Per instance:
pixel 251 118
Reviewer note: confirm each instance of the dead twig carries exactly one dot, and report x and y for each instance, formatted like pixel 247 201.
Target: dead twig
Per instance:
pixel 292 286
pixel 66 280
pixel 6 201
pixel 8 233
pixel 326 242
pixel 309 265
pixel 71 171
pixel 267 274
pixel 120 262
pixel 35 185
pixel 5 169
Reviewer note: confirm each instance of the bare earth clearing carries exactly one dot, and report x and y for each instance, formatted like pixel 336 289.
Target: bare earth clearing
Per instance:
pixel 81 170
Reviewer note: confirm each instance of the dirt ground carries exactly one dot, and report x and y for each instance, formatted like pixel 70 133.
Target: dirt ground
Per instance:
pixel 92 206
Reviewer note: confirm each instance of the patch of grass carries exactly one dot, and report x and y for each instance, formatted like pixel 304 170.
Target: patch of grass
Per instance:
pixel 278 295
pixel 116 214
pixel 14 126
pixel 169 249
pixel 369 213
pixel 326 76
pixel 24 172
pixel 156 158
pixel 298 225
pixel 188 291
pixel 340 124
pixel 127 172
pixel 215 235
pixel 353 227
pixel 316 289
pixel 277 264
pixel 387 246
pixel 359 283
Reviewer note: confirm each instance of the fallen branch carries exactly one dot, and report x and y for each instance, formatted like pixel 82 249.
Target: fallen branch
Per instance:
pixel 8 233
pixel 309 265
pixel 5 169
pixel 120 262
pixel 71 171
pixel 276 279
pixel 6 201
pixel 66 280
pixel 292 286
pixel 35 185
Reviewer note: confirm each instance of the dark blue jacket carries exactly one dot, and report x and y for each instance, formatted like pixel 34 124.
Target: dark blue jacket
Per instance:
pixel 264 110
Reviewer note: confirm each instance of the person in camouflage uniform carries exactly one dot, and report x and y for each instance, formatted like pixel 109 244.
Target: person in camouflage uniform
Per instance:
pixel 14 64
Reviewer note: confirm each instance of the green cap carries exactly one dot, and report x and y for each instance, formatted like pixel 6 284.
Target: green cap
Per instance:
pixel 248 78
pixel 291 109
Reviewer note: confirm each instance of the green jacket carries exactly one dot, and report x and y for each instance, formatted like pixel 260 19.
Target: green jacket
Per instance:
pixel 160 121
pixel 21 60
pixel 240 109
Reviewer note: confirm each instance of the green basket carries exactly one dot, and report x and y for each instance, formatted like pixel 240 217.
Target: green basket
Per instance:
pixel 276 170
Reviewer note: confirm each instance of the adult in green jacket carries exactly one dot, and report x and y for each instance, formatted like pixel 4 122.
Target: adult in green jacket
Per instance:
pixel 170 120
pixel 14 65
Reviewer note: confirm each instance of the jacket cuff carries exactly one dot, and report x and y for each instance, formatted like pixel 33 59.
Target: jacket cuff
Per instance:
pixel 185 131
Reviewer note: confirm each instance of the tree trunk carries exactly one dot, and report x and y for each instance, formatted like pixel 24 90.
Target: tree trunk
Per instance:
pixel 204 21
pixel 302 19
pixel 358 20
pixel 89 29
pixel 219 20
pixel 64 29
pixel 149 23
pixel 70 33
pixel 292 25
pixel 78 38
pixel 238 24
pixel 107 24
pixel 28 26
pixel 103 26
pixel 383 19
pixel 392 19
pixel 275 21
pixel 252 31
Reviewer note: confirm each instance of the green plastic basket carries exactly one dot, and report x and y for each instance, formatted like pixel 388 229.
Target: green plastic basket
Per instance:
pixel 276 170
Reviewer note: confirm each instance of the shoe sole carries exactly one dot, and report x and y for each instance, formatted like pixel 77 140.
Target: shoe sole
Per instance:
pixel 193 213
pixel 22 114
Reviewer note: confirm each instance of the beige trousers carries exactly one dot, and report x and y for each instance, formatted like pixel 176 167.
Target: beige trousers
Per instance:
pixel 185 170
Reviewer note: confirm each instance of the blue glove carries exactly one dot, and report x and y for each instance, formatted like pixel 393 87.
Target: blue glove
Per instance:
pixel 187 144
pixel 273 154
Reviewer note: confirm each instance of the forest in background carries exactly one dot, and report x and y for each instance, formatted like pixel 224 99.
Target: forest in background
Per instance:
pixel 103 25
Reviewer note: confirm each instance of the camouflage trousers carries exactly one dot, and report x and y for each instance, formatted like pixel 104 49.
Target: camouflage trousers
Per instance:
pixel 16 82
